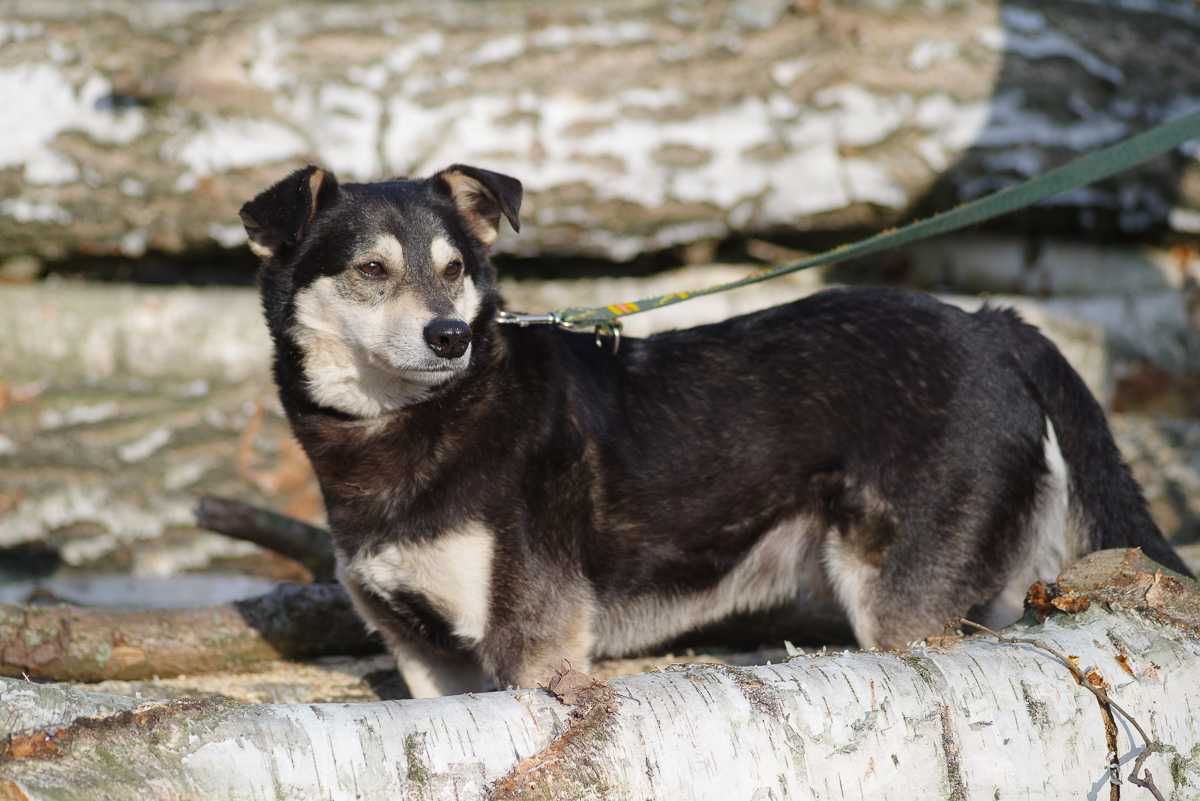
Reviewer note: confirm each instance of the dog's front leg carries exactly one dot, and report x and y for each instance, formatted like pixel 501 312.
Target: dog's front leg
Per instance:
pixel 526 650
pixel 428 672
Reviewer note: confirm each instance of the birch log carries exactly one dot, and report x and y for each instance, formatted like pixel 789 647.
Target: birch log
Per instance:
pixel 72 643
pixel 956 719
pixel 636 125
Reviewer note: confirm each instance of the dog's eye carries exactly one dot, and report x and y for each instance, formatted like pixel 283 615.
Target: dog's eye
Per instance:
pixel 453 269
pixel 372 269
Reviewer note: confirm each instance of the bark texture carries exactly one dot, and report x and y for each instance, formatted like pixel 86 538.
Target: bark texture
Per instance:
pixel 70 643
pixel 953 718
pixel 636 125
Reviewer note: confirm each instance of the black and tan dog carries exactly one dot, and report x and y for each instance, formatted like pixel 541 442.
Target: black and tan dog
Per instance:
pixel 502 498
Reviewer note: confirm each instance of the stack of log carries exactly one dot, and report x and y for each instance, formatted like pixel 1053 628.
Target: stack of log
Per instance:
pixel 636 126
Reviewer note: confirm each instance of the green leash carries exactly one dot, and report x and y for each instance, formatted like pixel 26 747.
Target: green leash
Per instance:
pixel 1082 171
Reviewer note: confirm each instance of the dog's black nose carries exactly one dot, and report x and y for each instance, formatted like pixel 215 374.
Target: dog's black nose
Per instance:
pixel 448 337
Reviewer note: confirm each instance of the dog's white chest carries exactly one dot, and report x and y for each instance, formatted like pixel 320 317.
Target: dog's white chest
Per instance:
pixel 452 572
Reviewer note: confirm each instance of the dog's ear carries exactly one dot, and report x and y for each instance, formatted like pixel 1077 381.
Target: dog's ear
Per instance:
pixel 481 196
pixel 276 219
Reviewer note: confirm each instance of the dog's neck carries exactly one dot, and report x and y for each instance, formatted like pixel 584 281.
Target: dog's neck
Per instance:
pixel 399 454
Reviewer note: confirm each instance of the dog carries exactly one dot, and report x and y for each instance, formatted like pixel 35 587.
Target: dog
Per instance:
pixel 504 498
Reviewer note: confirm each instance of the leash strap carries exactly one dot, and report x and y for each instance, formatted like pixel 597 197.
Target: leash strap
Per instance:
pixel 1080 172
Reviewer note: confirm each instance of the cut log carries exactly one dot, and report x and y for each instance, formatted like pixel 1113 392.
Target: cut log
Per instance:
pixel 71 643
pixel 636 126
pixel 953 718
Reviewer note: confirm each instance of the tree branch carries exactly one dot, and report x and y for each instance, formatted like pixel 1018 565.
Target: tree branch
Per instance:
pixel 309 545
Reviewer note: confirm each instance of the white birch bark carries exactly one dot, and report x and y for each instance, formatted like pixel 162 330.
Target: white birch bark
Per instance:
pixel 972 719
pixel 636 125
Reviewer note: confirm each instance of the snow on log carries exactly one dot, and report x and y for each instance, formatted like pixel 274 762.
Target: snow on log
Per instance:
pixel 953 718
pixel 635 125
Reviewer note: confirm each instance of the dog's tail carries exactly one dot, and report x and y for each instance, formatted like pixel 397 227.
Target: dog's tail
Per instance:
pixel 1104 496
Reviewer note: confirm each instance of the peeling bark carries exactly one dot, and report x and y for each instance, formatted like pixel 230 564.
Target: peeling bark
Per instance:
pixel 70 643
pixel 953 718
pixel 636 126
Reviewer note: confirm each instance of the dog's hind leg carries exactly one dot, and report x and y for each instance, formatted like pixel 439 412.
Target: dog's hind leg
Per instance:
pixel 855 582
pixel 898 582
pixel 887 609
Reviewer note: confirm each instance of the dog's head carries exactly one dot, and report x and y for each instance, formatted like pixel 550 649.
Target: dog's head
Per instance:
pixel 379 287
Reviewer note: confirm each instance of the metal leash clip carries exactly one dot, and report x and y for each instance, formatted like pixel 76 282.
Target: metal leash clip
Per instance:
pixel 526 320
pixel 611 328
